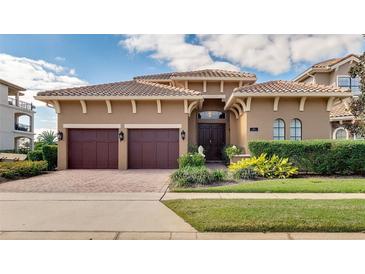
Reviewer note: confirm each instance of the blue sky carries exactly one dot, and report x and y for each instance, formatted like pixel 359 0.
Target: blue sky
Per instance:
pixel 39 62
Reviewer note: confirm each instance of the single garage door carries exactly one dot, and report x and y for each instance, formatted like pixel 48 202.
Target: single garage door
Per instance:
pixel 92 148
pixel 153 148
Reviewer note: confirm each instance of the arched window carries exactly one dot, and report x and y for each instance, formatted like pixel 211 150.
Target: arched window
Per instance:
pixel 295 129
pixel 340 134
pixel 279 129
pixel 211 115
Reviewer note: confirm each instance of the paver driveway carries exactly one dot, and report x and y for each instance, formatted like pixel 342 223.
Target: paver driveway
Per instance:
pixel 93 181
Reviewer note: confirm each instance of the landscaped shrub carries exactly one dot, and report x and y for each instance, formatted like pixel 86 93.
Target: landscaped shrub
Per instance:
pixel 245 174
pixel 191 175
pixel 218 175
pixel 272 167
pixel 192 148
pixel 50 155
pixel 232 150
pixel 11 170
pixel 191 160
pixel 317 156
pixel 35 155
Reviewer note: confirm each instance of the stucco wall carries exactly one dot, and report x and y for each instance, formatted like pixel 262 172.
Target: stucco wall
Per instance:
pixel 322 78
pixel 238 130
pixel 172 113
pixel 315 118
pixel 341 71
pixel 212 87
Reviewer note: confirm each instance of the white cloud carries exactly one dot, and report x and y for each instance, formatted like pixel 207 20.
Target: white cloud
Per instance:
pixel 274 54
pixel 313 48
pixel 263 52
pixel 174 50
pixel 60 59
pixel 36 75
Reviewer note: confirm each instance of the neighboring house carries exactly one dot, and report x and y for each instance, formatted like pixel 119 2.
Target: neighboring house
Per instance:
pixel 16 118
pixel 335 72
pixel 149 121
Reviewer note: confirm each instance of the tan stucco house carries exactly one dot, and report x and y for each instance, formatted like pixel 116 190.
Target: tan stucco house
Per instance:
pixel 335 72
pixel 151 120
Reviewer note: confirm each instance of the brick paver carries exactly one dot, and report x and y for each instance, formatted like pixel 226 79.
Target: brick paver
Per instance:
pixel 92 181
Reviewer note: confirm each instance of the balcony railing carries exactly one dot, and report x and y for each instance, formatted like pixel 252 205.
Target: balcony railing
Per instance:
pixel 21 104
pixel 22 127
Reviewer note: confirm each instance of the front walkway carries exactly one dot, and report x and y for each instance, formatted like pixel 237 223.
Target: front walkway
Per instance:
pixel 93 181
pixel 310 196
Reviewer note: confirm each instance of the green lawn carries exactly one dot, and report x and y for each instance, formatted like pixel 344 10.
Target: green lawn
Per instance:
pixel 272 215
pixel 309 185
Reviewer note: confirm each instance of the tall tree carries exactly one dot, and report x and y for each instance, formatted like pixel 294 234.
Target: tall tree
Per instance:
pixel 357 104
pixel 47 137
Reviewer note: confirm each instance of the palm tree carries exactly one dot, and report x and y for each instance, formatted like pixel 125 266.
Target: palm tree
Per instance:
pixel 47 137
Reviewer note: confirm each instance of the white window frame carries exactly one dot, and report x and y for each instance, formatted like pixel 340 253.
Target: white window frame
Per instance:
pixel 339 76
pixel 337 129
pixel 273 135
pixel 301 129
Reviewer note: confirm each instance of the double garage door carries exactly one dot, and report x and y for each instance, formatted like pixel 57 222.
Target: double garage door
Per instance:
pixel 98 148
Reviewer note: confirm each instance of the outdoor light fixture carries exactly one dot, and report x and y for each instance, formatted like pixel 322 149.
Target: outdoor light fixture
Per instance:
pixel 121 135
pixel 183 134
pixel 60 135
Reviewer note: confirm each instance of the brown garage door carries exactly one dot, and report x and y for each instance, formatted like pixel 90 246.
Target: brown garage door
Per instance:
pixel 92 148
pixel 153 148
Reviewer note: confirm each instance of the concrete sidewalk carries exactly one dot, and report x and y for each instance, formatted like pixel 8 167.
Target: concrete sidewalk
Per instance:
pixel 83 212
pixel 46 235
pixel 310 196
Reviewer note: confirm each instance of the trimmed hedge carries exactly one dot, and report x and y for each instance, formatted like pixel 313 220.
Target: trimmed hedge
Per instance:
pixel 317 156
pixel 35 155
pixel 50 155
pixel 11 170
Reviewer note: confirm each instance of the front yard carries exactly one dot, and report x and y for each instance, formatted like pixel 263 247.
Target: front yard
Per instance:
pixel 272 215
pixel 299 185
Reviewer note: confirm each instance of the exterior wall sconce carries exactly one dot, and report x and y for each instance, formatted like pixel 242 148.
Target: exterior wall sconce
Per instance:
pixel 121 135
pixel 183 134
pixel 59 135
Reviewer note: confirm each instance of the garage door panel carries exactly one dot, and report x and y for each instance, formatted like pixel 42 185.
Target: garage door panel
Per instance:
pixel 113 157
pixel 135 155
pixel 148 155
pixel 155 148
pixel 92 148
pixel 102 157
pixel 173 154
pixel 89 154
pixel 163 155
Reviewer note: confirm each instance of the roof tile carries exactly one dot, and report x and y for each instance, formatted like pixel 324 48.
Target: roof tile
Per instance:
pixel 286 87
pixel 127 88
pixel 342 109
pixel 206 73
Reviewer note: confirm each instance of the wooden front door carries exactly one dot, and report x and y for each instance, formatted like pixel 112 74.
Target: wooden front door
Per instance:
pixel 213 139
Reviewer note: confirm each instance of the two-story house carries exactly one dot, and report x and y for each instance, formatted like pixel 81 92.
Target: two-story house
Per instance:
pixel 335 72
pixel 16 118
pixel 151 120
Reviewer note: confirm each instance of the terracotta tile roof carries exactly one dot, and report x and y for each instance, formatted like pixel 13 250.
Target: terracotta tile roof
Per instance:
pixel 287 87
pixel 127 88
pixel 341 110
pixel 206 73
pixel 330 62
